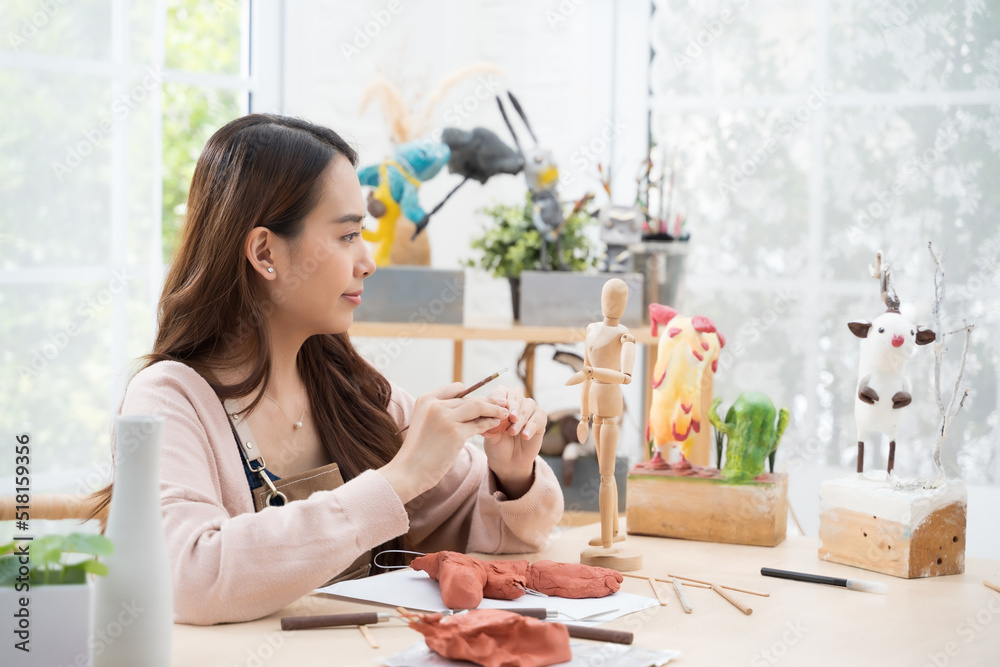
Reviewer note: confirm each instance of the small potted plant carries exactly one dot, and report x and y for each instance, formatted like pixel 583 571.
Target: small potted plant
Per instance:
pixel 45 584
pixel 512 245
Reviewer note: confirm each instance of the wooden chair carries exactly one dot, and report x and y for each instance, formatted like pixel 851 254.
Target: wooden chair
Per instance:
pixel 53 506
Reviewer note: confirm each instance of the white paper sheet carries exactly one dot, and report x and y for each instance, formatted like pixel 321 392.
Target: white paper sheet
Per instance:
pixel 416 590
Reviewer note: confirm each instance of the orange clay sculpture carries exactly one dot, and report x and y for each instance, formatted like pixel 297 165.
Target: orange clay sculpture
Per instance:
pixel 494 638
pixel 687 348
pixel 466 580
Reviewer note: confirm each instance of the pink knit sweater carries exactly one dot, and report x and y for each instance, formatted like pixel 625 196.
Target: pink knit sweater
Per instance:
pixel 230 563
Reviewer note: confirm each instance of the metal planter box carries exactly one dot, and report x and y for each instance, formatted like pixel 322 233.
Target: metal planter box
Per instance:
pixel 562 298
pixel 406 293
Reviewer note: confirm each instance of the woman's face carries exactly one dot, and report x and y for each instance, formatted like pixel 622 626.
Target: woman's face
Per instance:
pixel 318 276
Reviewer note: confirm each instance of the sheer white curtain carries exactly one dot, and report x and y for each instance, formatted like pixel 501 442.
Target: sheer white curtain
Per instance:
pixel 84 86
pixel 808 135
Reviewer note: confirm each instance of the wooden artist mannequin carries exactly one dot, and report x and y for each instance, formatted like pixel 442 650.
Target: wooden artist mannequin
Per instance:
pixel 609 354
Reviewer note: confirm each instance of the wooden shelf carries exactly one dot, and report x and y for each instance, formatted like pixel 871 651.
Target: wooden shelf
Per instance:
pixel 487 330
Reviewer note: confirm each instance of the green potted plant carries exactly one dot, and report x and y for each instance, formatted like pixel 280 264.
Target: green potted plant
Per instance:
pixel 44 583
pixel 512 245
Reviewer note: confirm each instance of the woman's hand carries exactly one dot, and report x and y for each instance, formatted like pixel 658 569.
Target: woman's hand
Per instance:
pixel 439 426
pixel 511 446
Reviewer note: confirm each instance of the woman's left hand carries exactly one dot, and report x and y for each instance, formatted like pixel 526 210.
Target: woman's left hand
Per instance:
pixel 511 452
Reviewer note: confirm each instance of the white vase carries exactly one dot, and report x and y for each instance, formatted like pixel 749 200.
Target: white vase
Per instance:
pixel 133 612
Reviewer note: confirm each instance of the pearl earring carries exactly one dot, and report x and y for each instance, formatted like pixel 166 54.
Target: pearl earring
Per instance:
pixel 270 269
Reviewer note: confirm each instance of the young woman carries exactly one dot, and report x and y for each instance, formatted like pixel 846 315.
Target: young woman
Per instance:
pixel 254 313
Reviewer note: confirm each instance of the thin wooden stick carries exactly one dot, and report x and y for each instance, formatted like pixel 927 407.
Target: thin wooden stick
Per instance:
pixel 798 525
pixel 731 588
pixel 656 591
pixel 733 601
pixel 682 596
pixel 369 636
pixel 990 584
pixel 665 581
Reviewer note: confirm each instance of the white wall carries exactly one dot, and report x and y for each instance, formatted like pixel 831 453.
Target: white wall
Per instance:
pixel 557 57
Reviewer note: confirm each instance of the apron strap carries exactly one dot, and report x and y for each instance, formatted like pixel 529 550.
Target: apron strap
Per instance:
pixel 249 449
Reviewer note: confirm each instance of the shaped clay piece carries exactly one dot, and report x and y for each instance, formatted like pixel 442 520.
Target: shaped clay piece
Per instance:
pixel 494 638
pixel 466 580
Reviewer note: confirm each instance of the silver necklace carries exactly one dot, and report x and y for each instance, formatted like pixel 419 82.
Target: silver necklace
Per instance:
pixel 296 425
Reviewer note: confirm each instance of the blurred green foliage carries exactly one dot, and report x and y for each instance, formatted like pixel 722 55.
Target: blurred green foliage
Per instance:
pixel 50 562
pixel 512 244
pixel 201 36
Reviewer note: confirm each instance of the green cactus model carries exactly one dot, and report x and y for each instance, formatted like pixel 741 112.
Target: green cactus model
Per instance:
pixel 751 434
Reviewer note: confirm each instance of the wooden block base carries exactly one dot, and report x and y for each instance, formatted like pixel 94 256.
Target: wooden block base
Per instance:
pixel 708 509
pixel 618 557
pixel 868 522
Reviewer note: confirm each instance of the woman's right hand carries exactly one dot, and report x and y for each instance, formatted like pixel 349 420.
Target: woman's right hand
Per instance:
pixel 439 426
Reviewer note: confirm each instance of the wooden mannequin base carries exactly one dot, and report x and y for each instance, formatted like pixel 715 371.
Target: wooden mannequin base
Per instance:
pixel 619 558
pixel 597 541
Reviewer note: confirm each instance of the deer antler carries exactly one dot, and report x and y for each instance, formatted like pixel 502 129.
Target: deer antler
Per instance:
pixel 882 271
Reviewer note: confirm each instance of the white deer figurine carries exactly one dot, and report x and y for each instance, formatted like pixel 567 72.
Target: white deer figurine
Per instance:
pixel 883 391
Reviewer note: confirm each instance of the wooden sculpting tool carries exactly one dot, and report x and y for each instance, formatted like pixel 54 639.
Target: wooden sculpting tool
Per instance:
pixel 656 591
pixel 731 588
pixel 369 636
pixel 667 581
pixel 466 392
pixel 333 620
pixel 599 634
pixel 990 584
pixel 682 596
pixel 733 601
pixel 481 383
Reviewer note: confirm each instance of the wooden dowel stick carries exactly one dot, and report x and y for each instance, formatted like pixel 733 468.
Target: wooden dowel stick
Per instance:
pixel 732 588
pixel 656 591
pixel 331 621
pixel 795 519
pixel 990 584
pixel 666 581
pixel 682 596
pixel 599 634
pixel 368 635
pixel 733 601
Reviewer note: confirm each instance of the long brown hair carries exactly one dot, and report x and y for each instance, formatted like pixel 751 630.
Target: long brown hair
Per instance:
pixel 264 170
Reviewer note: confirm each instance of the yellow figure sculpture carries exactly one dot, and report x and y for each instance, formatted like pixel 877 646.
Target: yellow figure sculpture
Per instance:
pixel 687 348
pixel 609 355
